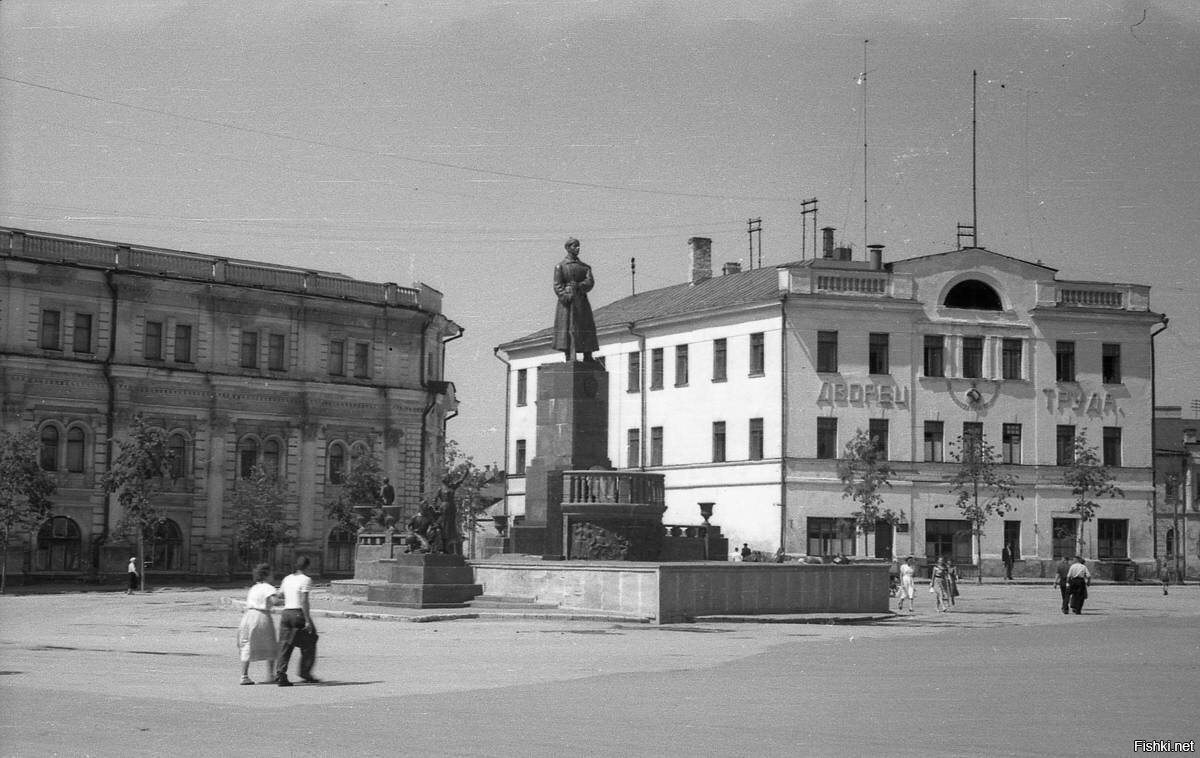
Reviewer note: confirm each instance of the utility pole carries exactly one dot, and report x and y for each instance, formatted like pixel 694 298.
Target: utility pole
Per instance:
pixel 808 207
pixel 754 226
pixel 633 276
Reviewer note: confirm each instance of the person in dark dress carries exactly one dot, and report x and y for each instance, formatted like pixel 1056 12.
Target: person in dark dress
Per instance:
pixel 1060 581
pixel 574 326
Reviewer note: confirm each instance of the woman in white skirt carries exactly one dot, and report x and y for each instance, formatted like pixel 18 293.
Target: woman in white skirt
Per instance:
pixel 256 633
pixel 907 591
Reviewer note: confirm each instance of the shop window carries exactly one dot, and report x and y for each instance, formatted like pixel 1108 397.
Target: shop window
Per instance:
pixel 948 538
pixel 830 537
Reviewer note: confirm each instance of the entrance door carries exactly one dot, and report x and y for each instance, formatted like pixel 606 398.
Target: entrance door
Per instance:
pixel 883 539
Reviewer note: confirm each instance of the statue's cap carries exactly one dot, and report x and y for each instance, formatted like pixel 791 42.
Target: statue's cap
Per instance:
pixel 570 241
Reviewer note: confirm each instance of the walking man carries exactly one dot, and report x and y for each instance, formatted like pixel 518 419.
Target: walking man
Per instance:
pixel 296 628
pixel 1060 580
pixel 1078 579
pixel 134 578
pixel 1007 555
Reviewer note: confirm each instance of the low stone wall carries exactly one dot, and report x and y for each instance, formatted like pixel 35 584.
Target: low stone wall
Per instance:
pixel 674 592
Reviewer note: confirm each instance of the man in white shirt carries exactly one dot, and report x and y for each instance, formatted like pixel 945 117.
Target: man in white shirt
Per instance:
pixel 296 628
pixel 1078 579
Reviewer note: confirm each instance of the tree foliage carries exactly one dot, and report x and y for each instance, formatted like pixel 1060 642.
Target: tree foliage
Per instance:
pixel 25 490
pixel 258 521
pixel 361 487
pixel 864 473
pixel 1088 479
pixel 981 488
pixel 461 468
pixel 136 476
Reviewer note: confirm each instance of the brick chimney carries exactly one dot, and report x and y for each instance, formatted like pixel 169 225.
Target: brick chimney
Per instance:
pixel 732 267
pixel 700 258
pixel 827 241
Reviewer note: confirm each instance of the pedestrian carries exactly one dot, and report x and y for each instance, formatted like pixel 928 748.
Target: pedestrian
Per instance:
pixel 1060 580
pixel 1008 556
pixel 941 585
pixel 134 577
pixel 256 632
pixel 1078 579
pixel 746 552
pixel 908 571
pixel 296 628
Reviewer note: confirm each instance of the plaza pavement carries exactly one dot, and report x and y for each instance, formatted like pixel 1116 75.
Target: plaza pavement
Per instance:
pixel 1004 674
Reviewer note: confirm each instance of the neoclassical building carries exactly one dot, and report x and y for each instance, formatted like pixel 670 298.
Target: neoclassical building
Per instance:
pixel 743 389
pixel 240 363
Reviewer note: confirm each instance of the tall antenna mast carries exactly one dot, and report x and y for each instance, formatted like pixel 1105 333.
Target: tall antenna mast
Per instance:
pixel 863 80
pixel 753 227
pixel 808 207
pixel 633 276
pixel 974 153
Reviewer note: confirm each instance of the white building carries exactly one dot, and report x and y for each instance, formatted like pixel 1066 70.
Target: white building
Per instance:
pixel 743 389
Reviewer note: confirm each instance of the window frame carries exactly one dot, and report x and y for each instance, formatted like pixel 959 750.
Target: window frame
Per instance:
pixel 82 332
pixel 758 354
pixel 152 340
pixel 937 452
pixel 1111 447
pixel 1011 359
pixel 720 368
pixel 827 352
pixel 827 429
pixel 1064 444
pixel 276 351
pixel 520 451
pixel 50 329
pixel 756 440
pixel 681 365
pixel 337 357
pixel 878 349
pixel 656 445
pixel 1110 363
pixel 719 452
pixel 656 368
pixel 183 343
pixel 1064 361
pixel 878 432
pixel 248 348
pixel 522 387
pixel 934 355
pixel 362 359
pixel 1010 443
pixel 972 357
pixel 633 375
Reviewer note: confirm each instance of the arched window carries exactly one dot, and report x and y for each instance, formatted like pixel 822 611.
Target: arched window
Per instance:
pixel 337 463
pixel 339 550
pixel 75 448
pixel 973 295
pixel 270 458
pixel 58 545
pixel 177 447
pixel 247 457
pixel 49 457
pixel 1170 543
pixel 164 545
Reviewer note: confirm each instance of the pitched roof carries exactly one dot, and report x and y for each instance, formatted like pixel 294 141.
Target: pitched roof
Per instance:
pixel 729 290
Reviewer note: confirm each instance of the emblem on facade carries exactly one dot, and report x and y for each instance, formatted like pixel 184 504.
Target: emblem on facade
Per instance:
pixel 973 399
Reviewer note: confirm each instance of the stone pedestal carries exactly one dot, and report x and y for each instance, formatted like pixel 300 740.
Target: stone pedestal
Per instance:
pixel 421 580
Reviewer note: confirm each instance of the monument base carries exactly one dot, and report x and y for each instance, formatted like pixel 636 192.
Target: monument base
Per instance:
pixel 424 580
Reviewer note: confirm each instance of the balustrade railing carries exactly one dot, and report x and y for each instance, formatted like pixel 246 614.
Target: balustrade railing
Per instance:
pixel 855 284
pixel 624 487
pixel 1091 298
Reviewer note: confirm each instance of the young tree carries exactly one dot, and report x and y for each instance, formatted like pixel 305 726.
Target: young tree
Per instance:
pixel 981 488
pixel 136 476
pixel 25 490
pixel 463 480
pixel 258 524
pixel 360 488
pixel 864 472
pixel 1088 479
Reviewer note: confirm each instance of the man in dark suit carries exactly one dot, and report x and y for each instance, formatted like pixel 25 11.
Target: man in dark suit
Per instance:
pixel 1060 580
pixel 1009 557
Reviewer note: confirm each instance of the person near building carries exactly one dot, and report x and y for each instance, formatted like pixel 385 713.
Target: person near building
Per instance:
pixel 296 628
pixel 943 584
pixel 1008 555
pixel 1078 579
pixel 908 572
pixel 134 577
pixel 1060 581
pixel 256 632
pixel 746 552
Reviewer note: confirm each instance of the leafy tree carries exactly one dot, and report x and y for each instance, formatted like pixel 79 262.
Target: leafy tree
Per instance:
pixel 361 487
pixel 25 490
pixel 864 472
pixel 465 480
pixel 258 524
pixel 982 489
pixel 1088 479
pixel 136 476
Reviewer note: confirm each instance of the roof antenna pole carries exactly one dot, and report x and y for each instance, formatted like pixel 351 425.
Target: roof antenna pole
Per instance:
pixel 754 226
pixel 808 207
pixel 974 153
pixel 863 79
pixel 633 276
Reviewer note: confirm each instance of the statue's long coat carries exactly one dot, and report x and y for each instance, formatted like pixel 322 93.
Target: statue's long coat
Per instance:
pixel 574 327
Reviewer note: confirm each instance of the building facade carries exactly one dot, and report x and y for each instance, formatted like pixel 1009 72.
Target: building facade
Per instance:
pixel 1177 507
pixel 240 363
pixel 744 388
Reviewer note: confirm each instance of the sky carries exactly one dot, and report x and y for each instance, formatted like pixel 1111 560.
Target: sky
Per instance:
pixel 460 143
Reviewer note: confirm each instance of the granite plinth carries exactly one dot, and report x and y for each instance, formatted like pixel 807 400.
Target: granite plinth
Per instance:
pixel 424 580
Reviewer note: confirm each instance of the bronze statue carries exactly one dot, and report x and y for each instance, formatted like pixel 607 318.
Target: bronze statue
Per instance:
pixel 574 326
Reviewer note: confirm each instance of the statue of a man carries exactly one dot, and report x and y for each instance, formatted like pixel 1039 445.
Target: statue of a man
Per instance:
pixel 574 327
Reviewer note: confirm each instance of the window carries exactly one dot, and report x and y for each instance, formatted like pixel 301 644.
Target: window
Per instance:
pixel 720 360
pixel 827 352
pixel 935 355
pixel 58 545
pixel 972 357
pixel 1063 533
pixel 975 295
pixel 633 448
pixel 520 458
pixel 756 439
pixel 49 457
pixel 337 463
pixel 48 337
pixel 164 545
pixel 1010 443
pixel 934 436
pixel 81 339
pixel 656 446
pixel 758 357
pixel 339 550
pixel 75 448
pixel 1112 539
pixel 718 441
pixel 827 437
pixel 249 351
pixel 877 353
pixel 1111 363
pixel 681 365
pixel 362 360
pixel 247 457
pixel 337 357
pixel 877 430
pixel 950 538
pixel 633 381
pixel 656 368
pixel 1111 449
pixel 830 537
pixel 271 458
pixel 1064 361
pixel 177 448
pixel 1012 537
pixel 275 359
pixel 1064 445
pixel 1010 359
pixel 183 343
pixel 522 386
pixel 152 346
pixel 972 439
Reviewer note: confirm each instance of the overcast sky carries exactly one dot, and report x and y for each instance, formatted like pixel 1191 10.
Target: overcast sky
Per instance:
pixel 459 143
